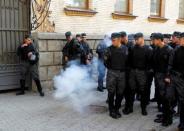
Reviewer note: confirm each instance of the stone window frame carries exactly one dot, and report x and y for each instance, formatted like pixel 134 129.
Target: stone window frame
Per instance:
pixel 180 20
pixel 161 16
pixel 77 11
pixel 125 16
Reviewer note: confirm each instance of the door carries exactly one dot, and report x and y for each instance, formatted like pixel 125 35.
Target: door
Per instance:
pixel 14 25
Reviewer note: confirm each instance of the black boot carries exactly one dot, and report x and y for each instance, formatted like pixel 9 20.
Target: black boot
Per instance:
pixel 118 114
pixel 113 114
pixel 127 110
pixel 167 123
pixel 144 112
pixel 158 120
pixel 22 84
pixel 38 84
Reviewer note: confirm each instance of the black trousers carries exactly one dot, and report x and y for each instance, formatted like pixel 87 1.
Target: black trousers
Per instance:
pixel 127 92
pixel 115 85
pixel 178 84
pixel 138 82
pixel 33 69
pixel 166 95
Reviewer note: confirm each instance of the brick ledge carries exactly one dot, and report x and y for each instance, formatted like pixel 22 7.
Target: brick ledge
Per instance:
pixel 117 15
pixel 157 19
pixel 79 12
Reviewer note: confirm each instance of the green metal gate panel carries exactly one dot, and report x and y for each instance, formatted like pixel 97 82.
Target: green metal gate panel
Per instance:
pixel 14 25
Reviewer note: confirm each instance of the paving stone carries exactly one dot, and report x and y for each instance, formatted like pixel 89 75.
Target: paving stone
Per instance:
pixel 33 113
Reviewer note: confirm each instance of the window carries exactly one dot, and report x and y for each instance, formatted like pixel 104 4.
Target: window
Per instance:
pixel 157 11
pixel 155 8
pixel 79 8
pixel 122 6
pixel 84 4
pixel 123 9
pixel 181 9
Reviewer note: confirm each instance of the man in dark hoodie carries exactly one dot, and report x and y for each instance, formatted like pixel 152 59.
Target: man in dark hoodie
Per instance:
pixel 29 58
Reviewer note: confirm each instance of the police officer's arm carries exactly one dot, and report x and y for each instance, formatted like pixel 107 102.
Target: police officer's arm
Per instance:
pixel 107 56
pixel 19 51
pixel 130 54
pixel 127 55
pixel 167 78
pixel 65 53
pixel 150 58
pixel 98 49
pixel 171 61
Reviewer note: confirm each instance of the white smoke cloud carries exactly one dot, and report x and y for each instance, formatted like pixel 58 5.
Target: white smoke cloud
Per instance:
pixel 107 40
pixel 77 86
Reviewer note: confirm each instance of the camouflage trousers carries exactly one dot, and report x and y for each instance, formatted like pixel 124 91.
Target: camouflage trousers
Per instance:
pixel 115 85
pixel 26 68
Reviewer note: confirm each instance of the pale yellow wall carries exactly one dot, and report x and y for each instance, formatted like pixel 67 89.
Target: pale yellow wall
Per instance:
pixel 103 22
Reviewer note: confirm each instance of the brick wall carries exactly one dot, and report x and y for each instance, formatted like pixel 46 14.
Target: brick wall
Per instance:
pixel 50 46
pixel 103 22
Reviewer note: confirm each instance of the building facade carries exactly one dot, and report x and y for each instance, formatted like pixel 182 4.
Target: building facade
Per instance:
pixel 98 17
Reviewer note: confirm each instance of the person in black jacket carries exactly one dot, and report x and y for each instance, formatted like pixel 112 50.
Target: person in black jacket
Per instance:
pixel 177 77
pixel 150 74
pixel 115 59
pixel 87 53
pixel 127 92
pixel 29 58
pixel 72 49
pixel 161 67
pixel 140 62
pixel 175 40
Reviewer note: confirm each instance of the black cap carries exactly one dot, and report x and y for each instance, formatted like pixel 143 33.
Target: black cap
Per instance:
pixel 176 34
pixel 152 35
pixel 123 34
pixel 138 35
pixel 131 37
pixel 67 34
pixel 83 34
pixel 78 35
pixel 158 36
pixel 182 35
pixel 168 36
pixel 115 35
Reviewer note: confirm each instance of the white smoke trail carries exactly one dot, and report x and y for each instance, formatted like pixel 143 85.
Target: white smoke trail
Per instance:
pixel 76 86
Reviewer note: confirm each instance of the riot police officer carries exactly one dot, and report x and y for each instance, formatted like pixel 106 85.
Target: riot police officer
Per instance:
pixel 177 79
pixel 127 92
pixel 71 50
pixel 139 60
pixel 175 39
pixel 161 67
pixel 29 58
pixel 115 59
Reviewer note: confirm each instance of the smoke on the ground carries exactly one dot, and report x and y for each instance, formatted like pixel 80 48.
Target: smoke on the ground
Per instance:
pixel 77 86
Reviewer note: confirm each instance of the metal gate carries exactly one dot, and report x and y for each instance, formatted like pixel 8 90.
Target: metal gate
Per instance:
pixel 14 25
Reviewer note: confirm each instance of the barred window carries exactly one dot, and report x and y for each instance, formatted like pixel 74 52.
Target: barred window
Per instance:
pixel 181 9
